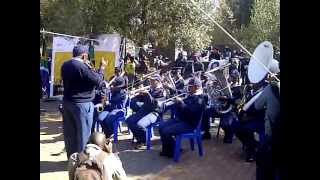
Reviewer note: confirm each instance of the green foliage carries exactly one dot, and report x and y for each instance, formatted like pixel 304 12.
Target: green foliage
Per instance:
pixel 264 24
pixel 164 22
pixel 159 21
pixel 226 18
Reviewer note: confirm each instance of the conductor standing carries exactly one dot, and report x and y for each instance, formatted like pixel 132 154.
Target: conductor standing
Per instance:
pixel 79 82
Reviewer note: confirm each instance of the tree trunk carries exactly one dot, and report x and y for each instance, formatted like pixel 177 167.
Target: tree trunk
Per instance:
pixel 167 51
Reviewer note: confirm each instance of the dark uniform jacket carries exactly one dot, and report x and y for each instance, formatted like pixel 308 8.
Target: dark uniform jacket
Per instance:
pixel 191 109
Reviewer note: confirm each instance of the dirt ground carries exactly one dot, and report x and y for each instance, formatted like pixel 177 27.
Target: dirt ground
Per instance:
pixel 220 161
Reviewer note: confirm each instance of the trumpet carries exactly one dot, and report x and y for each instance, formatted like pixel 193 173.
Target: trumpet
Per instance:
pixel 170 99
pixel 143 78
pixel 136 91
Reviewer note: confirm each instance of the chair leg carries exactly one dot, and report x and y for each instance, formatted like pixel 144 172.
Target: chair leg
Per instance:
pixel 120 127
pixel 128 131
pixel 115 131
pixel 151 132
pixel 219 127
pixel 148 137
pixel 192 143
pixel 177 148
pixel 97 126
pixel 200 147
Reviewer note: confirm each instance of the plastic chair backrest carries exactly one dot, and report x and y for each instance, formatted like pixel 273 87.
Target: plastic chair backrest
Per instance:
pixel 198 129
pixel 203 106
pixel 127 105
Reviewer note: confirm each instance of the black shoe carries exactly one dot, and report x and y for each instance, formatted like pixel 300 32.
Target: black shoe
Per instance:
pixel 227 141
pixel 163 153
pixel 140 146
pixel 206 136
pixel 169 155
pixel 250 158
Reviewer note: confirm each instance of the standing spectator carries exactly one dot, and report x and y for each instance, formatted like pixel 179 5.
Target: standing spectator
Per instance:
pixel 79 82
pixel 198 65
pixel 130 69
pixel 244 63
pixel 126 59
pixel 227 53
pixel 214 55
pixel 181 60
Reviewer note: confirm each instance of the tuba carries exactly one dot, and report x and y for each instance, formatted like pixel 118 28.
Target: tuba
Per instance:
pixel 260 63
pixel 169 84
pixel 218 84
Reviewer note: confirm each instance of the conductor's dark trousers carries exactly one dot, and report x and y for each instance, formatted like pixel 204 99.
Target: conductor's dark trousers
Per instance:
pixel 77 122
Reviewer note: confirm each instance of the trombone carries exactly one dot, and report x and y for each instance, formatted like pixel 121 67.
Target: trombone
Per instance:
pixel 170 99
pixel 143 78
pixel 133 93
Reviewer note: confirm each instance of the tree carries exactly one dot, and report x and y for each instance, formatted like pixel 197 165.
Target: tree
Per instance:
pixel 158 21
pixel 264 24
pixel 225 16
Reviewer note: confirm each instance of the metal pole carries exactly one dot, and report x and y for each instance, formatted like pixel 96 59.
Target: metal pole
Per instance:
pixel 66 35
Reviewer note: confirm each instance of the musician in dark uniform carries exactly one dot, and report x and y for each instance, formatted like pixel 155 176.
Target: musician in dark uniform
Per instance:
pixel 224 110
pixel 179 81
pixel 79 82
pixel 117 105
pixel 250 121
pixel 101 96
pixel 268 159
pixel 198 65
pixel 214 55
pixel 181 60
pixel 194 66
pixel 146 110
pixel 244 63
pixel 188 112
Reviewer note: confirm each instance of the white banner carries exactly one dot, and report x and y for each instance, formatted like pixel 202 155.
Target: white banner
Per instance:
pixel 110 43
pixel 63 44
pixel 60 44
pixel 107 43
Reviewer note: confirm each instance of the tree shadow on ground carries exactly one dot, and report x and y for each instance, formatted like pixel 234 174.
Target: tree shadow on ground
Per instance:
pixel 54 140
pixel 141 162
pixel 51 166
pixel 50 127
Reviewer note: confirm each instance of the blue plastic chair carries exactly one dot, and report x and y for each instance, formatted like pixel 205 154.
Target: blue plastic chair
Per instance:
pixel 219 127
pixel 193 137
pixel 117 123
pixel 149 129
pixel 149 133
